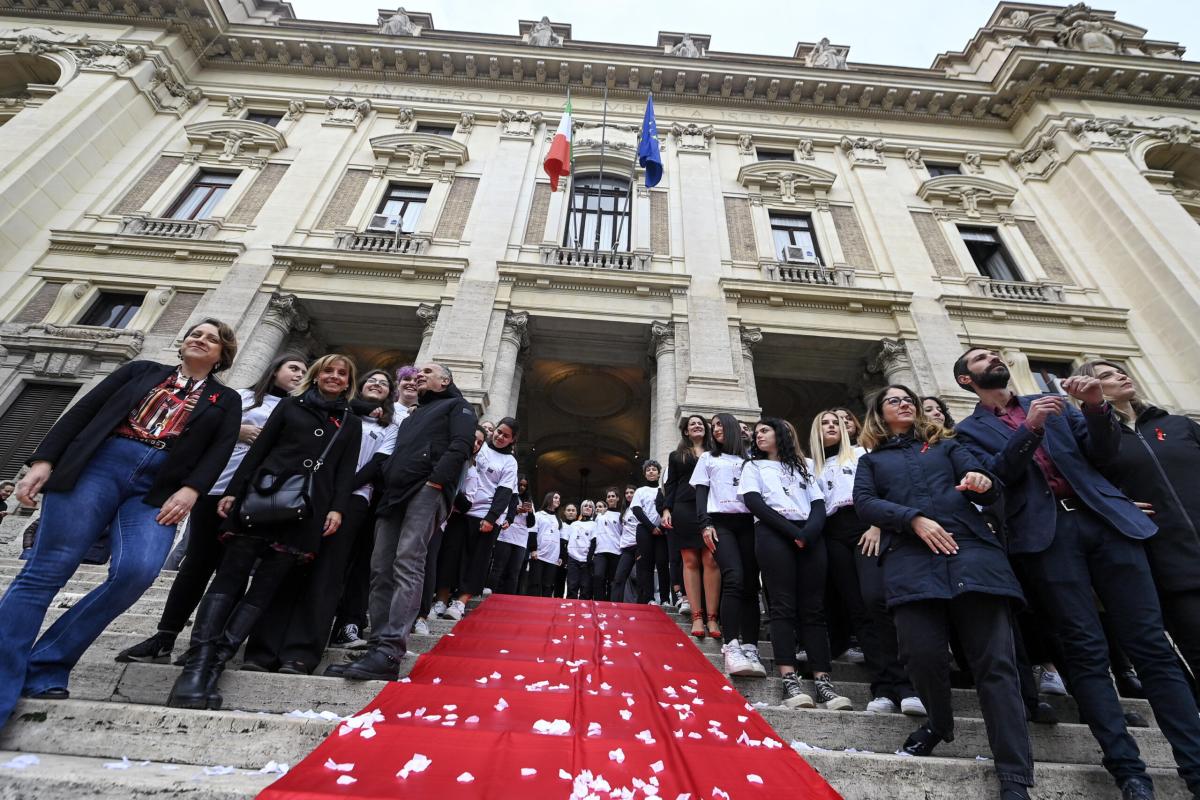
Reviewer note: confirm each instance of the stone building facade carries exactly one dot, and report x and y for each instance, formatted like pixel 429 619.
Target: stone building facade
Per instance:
pixel 823 226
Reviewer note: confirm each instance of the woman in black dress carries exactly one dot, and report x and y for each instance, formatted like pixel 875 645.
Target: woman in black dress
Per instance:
pixel 683 528
pixel 292 441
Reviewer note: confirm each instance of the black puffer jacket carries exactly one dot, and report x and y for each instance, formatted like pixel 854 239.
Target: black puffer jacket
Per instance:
pixel 431 446
pixel 904 478
pixel 1159 463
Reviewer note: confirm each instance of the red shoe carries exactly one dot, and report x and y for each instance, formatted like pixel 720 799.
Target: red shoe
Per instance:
pixel 714 628
pixel 698 624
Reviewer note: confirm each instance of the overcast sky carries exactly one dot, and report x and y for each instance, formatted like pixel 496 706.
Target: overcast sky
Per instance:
pixel 895 33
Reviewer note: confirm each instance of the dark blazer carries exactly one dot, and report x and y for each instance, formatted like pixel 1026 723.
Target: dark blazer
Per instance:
pixel 1159 463
pixel 195 459
pixel 288 441
pixel 678 486
pixel 432 445
pixel 1078 443
pixel 904 478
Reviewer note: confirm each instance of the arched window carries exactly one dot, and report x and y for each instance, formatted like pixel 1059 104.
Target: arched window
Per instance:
pixel 601 204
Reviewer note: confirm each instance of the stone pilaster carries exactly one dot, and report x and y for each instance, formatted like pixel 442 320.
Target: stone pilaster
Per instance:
pixel 666 403
pixel 751 337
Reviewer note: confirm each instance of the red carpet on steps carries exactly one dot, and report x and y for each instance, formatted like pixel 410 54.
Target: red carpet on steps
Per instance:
pixel 536 698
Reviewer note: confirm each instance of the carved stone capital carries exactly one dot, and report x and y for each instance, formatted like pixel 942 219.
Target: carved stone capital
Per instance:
pixel 516 328
pixel 428 314
pixel 890 357
pixel 692 136
pixel 285 312
pixel 662 338
pixel 751 337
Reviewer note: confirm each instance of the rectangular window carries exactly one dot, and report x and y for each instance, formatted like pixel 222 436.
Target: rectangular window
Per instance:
pixel 1049 374
pixel 794 230
pixel 265 117
pixel 938 170
pixel 112 310
pixel 202 195
pixel 27 421
pixel 437 130
pixel 404 203
pixel 602 206
pixel 989 254
pixel 774 155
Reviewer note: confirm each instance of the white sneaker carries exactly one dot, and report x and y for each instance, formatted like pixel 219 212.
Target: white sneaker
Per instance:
pixel 685 608
pixel 1051 683
pixel 487 592
pixel 750 651
pixel 854 655
pixel 652 603
pixel 438 609
pixel 455 610
pixel 882 705
pixel 736 662
pixel 421 628
pixel 913 707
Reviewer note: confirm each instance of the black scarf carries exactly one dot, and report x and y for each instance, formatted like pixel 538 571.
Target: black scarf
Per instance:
pixel 275 391
pixel 362 407
pixel 314 399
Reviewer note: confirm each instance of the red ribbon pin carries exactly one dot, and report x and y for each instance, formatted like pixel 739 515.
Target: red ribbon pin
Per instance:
pixel 1162 437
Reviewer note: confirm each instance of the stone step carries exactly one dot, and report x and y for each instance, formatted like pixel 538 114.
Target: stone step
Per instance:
pixel 55 777
pixel 873 776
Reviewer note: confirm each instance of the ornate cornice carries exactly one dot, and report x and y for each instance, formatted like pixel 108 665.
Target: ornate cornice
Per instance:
pixel 419 150
pixel 788 179
pixel 115 245
pixel 238 140
pixel 969 193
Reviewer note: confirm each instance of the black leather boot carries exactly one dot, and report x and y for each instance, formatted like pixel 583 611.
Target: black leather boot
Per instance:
pixel 237 629
pixel 191 687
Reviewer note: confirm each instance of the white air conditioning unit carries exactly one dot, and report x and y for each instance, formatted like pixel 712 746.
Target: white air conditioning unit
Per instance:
pixel 797 254
pixel 383 223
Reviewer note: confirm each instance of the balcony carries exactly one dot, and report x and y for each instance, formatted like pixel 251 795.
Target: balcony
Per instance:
pixel 594 259
pixel 384 243
pixel 1019 291
pixel 163 228
pixel 814 275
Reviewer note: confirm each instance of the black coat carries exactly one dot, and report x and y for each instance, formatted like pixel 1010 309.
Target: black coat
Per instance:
pixel 288 441
pixel 1159 463
pixel 431 446
pixel 196 457
pixel 903 478
pixel 678 486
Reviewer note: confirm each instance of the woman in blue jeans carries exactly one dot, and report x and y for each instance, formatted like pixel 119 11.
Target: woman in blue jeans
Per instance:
pixel 131 456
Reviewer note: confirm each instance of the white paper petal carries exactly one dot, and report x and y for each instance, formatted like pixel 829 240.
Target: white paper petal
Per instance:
pixel 528 772
pixel 750 776
pixel 657 766
pixel 466 777
pixel 331 764
pixel 617 755
pixel 346 780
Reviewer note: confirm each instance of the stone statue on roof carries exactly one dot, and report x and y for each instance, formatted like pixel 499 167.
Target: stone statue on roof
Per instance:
pixel 398 24
pixel 543 35
pixel 826 56
pixel 686 48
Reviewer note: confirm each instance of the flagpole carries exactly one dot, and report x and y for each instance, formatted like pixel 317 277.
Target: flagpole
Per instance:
pixel 628 197
pixel 571 226
pixel 600 182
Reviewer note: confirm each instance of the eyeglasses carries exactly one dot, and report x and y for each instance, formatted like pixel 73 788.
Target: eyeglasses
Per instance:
pixel 900 401
pixel 376 382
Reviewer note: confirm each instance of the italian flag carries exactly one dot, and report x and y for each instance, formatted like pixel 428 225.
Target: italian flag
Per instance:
pixel 558 160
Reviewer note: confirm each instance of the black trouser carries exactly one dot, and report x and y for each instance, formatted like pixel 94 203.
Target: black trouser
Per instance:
pixel 1088 559
pixel 560 577
pixel 429 587
pixel 295 626
pixel 984 626
pixel 450 556
pixel 507 561
pixel 477 557
pixel 795 582
pixel 651 558
pixel 356 586
pixel 243 555
pixel 842 546
pixel 620 581
pixel 1181 612
pixel 739 577
pixel 200 561
pixel 675 561
pixel 604 570
pixel 579 579
pixel 542 575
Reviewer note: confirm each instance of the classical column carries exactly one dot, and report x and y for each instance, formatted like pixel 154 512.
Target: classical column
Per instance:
pixel 518 376
pixel 666 404
pixel 428 314
pixel 283 315
pixel 751 337
pixel 892 362
pixel 515 335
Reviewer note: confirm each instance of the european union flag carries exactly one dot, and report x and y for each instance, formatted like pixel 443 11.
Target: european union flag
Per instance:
pixel 648 155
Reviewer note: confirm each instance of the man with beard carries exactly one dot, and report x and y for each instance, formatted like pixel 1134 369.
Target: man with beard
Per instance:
pixel 419 481
pixel 1078 538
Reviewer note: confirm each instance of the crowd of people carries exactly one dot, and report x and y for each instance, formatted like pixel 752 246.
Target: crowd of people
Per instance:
pixel 1046 544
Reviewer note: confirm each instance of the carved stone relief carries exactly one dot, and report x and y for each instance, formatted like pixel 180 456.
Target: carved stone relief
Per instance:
pixel 399 24
pixel 863 151
pixel 826 56
pixel 693 136
pixel 519 123
pixel 345 111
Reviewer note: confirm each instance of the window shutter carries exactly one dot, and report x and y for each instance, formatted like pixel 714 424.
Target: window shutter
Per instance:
pixel 28 420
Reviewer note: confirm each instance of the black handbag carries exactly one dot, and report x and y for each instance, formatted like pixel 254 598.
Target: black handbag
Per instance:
pixel 275 499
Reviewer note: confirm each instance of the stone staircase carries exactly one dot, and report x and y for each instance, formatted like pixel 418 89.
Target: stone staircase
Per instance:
pixel 116 712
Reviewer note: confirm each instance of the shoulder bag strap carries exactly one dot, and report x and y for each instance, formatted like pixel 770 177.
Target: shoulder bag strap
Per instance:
pixel 329 445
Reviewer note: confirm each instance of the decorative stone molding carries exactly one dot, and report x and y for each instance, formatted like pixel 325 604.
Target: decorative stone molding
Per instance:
pixel 398 23
pixel 295 109
pixel 68 351
pixel 1019 291
pixel 34 40
pixel 788 179
pixel 824 55
pixel 406 119
pixel 544 33
pixel 110 57
pixel 863 152
pixel 805 148
pixel 428 314
pixel 516 328
pixel 1038 161
pixel 418 153
pixel 345 111
pixel 595 259
pixel 970 194
pixel 1098 133
pixel 693 137
pixel 662 338
pixel 519 124
pixel 162 228
pixel 838 275
pixel 169 95
pixel 745 144
pixel 382 243
pixel 236 141
pixel 466 122
pixel 234 105
pixel 973 163
pixel 912 157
